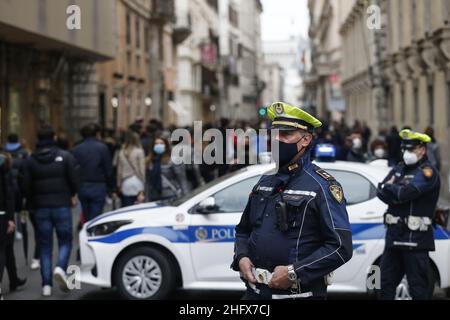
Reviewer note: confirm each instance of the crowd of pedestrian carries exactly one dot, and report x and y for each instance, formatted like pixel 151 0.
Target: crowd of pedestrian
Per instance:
pixel 357 143
pixel 135 166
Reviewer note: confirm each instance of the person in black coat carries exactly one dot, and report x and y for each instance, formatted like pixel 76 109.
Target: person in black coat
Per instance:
pixel 394 142
pixel 96 172
pixel 7 225
pixel 50 182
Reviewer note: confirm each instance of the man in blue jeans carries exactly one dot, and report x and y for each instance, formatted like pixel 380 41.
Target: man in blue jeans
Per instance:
pixel 49 181
pixel 96 172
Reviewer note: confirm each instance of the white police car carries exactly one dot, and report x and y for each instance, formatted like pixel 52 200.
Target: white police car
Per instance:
pixel 148 250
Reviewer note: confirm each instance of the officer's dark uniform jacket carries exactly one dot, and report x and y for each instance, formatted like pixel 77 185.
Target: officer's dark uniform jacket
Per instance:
pixel 318 239
pixel 415 192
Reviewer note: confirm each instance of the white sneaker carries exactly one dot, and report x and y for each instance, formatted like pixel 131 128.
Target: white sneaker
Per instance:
pixel 46 291
pixel 35 264
pixel 61 279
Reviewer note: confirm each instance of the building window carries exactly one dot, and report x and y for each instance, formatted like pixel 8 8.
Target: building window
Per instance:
pixel 169 56
pixel 147 40
pixel 138 34
pixel 448 104
pixel 427 18
pixel 416 104
pixel 128 29
pixel 128 58
pixel 161 47
pixel 129 99
pixel 402 103
pixel 391 102
pixel 400 23
pixel 214 4
pixel 129 103
pixel 414 19
pixel 233 17
pixel 446 12
pixel 138 62
pixel 170 96
pixel 431 103
pixel 140 110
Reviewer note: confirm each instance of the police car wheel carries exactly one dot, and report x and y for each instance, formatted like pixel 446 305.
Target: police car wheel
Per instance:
pixel 144 273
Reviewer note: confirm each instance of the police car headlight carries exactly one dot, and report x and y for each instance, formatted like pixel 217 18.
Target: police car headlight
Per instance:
pixel 106 228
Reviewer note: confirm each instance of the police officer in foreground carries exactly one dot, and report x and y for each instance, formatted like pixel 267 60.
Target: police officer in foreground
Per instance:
pixel 295 230
pixel 411 190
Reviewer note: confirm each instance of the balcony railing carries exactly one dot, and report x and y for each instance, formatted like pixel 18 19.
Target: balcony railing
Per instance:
pixel 182 28
pixel 163 10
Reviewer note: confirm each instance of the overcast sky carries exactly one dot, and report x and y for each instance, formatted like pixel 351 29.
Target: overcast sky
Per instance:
pixel 283 18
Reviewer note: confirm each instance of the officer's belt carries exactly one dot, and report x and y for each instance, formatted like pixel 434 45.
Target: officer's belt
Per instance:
pixel 283 296
pixel 414 223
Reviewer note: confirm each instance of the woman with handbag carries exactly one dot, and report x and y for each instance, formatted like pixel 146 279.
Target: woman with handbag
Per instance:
pixel 131 170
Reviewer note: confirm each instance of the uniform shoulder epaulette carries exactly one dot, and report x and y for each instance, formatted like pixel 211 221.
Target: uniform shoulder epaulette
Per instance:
pixel 324 174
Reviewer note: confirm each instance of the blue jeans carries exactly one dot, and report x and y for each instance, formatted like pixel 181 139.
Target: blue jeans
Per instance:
pixel 47 220
pixel 92 198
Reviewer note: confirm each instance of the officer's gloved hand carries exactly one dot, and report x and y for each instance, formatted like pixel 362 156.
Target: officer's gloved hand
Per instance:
pixel 246 266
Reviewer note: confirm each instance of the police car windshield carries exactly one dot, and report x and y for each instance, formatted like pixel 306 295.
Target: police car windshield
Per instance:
pixel 179 201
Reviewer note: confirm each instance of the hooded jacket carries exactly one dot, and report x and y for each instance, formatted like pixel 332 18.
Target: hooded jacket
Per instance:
pixel 50 178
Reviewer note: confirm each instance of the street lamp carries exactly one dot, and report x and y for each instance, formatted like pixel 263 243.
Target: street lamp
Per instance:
pixel 115 105
pixel 148 101
pixel 115 102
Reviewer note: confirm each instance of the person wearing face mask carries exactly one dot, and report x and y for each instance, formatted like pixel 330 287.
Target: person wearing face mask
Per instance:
pixel 378 150
pixel 294 231
pixel 356 153
pixel 411 191
pixel 166 180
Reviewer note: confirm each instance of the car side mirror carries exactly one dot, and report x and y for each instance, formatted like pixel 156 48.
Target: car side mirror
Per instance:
pixel 207 206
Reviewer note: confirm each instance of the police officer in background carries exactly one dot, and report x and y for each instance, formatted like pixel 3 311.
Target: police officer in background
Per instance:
pixel 295 230
pixel 411 190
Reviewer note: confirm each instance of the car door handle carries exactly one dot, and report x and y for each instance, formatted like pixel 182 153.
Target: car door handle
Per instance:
pixel 371 216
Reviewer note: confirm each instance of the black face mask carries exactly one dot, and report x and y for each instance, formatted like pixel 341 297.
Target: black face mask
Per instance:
pixel 287 152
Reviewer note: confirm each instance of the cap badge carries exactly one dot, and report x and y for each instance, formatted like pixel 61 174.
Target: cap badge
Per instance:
pixel 279 109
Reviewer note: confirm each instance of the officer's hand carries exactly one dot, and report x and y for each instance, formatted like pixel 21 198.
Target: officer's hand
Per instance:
pixel 246 265
pixel 280 279
pixel 391 181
